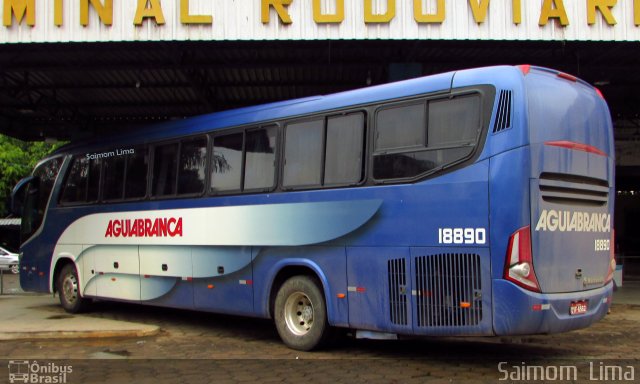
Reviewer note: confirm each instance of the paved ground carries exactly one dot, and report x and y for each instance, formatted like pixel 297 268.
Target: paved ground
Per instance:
pixel 39 317
pixel 200 347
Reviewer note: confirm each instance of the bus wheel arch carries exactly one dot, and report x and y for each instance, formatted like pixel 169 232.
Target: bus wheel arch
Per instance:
pixel 66 283
pixel 299 309
pixel 60 263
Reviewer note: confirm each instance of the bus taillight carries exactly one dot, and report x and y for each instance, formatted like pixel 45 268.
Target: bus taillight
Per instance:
pixel 519 265
pixel 612 258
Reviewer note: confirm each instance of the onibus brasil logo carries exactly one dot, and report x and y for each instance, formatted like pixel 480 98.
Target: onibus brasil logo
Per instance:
pixel 25 371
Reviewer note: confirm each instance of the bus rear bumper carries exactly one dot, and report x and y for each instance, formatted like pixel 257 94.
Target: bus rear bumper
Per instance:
pixel 520 312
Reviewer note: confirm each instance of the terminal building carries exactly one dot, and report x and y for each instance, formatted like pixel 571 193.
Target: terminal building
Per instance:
pixel 76 69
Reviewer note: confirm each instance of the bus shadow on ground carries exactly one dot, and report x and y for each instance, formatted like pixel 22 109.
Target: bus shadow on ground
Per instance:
pixel 185 322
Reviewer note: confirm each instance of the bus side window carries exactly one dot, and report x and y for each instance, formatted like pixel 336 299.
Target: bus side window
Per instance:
pixel 450 129
pixel 135 185
pixel 345 149
pixel 303 153
pixel 82 182
pixel 165 167
pixel 75 187
pixel 260 158
pixel 191 170
pixel 324 152
pixel 226 163
pixel 454 122
pixel 401 127
pixel 113 185
pixel 93 183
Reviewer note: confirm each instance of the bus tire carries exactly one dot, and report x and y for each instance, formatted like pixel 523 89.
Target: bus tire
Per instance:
pixel 301 313
pixel 68 287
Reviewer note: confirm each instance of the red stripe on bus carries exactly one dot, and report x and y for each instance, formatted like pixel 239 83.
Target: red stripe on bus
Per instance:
pixel 575 146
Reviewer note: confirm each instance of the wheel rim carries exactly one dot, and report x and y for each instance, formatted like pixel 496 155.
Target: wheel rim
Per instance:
pixel 298 313
pixel 70 289
pixel 15 269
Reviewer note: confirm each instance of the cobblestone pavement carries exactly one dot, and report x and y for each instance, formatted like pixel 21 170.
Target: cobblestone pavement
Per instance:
pixel 208 348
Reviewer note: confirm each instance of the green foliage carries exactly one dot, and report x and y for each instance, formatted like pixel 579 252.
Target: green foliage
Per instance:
pixel 17 159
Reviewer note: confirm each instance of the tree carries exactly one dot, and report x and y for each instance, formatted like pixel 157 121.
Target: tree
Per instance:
pixel 17 159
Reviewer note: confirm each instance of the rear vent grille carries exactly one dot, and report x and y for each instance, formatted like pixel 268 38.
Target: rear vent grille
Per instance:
pixel 398 291
pixel 574 190
pixel 503 116
pixel 448 290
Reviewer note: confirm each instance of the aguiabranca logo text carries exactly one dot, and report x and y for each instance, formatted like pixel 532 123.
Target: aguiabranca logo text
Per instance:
pixel 159 227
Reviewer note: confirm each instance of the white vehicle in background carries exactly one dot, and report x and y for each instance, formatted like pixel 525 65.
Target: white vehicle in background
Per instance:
pixel 9 260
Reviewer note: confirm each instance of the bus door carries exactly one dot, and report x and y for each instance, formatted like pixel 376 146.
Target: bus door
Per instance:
pixel 36 192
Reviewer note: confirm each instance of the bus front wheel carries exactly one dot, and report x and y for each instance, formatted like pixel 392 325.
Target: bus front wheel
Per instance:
pixel 68 287
pixel 301 313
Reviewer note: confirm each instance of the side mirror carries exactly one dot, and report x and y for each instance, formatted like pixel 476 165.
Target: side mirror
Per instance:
pixel 17 195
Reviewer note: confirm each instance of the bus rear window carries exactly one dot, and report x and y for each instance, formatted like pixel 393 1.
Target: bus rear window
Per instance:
pixel 572 112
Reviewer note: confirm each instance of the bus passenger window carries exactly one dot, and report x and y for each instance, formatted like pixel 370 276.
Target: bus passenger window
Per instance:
pixel 75 187
pixel 260 162
pixel 452 128
pixel 93 183
pixel 191 170
pixel 401 127
pixel 303 153
pixel 136 182
pixel 113 178
pixel 165 167
pixel 345 147
pixel 226 163
pixel 454 122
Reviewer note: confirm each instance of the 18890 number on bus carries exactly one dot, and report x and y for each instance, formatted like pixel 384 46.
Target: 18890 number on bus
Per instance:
pixel 462 236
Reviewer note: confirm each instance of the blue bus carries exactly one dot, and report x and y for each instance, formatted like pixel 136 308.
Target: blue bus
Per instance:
pixel 475 202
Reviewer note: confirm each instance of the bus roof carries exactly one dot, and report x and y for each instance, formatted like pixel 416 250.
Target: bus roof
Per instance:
pixel 266 113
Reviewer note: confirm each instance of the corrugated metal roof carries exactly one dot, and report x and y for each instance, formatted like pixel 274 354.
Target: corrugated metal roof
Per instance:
pixel 72 90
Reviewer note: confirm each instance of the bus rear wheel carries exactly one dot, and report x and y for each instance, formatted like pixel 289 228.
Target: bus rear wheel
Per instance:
pixel 301 313
pixel 68 287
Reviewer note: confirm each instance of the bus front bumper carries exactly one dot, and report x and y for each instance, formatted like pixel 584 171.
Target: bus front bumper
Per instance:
pixel 520 312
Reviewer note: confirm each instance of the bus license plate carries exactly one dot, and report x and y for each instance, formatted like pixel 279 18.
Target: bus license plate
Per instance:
pixel 578 307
